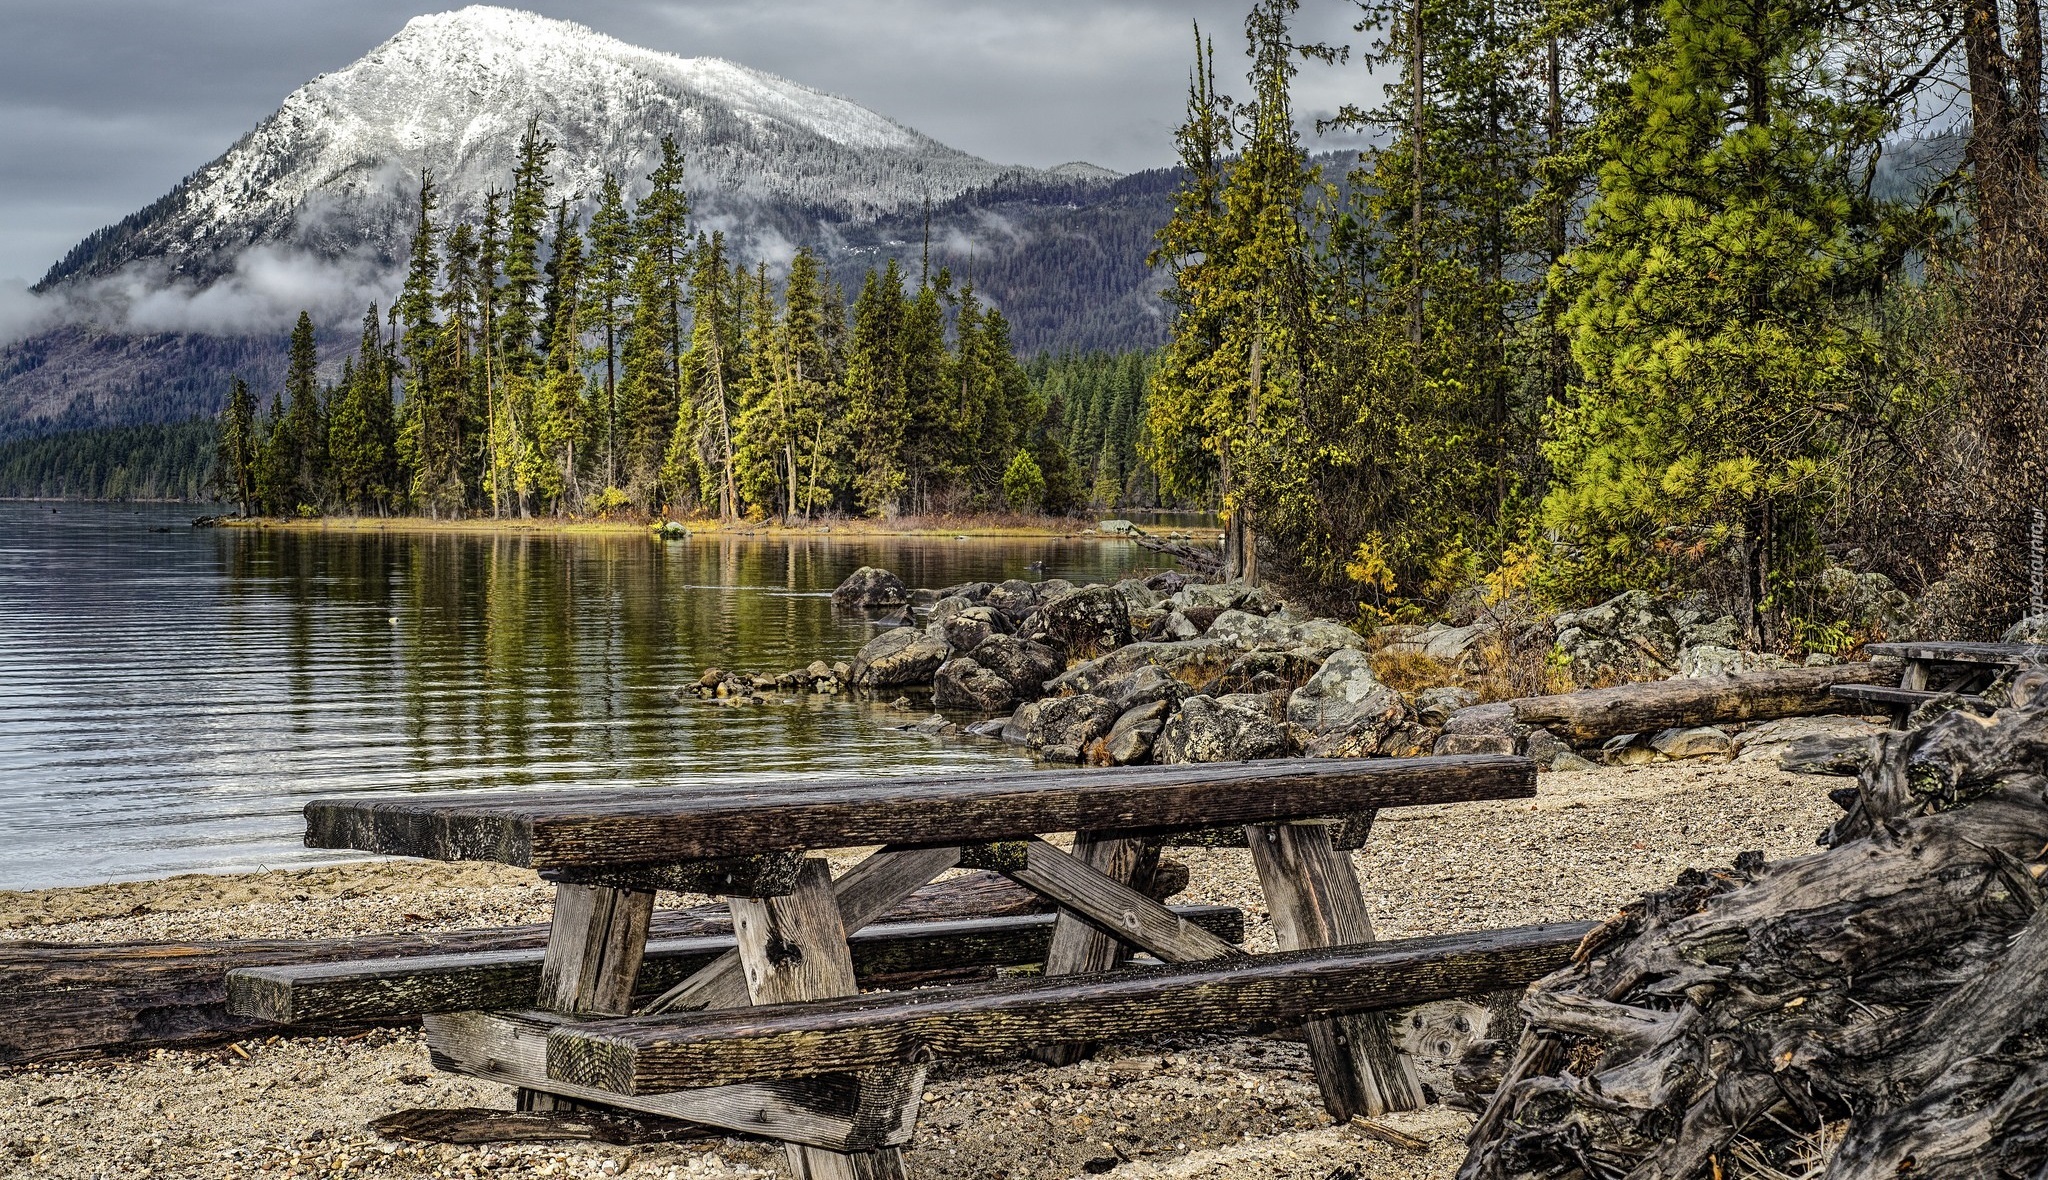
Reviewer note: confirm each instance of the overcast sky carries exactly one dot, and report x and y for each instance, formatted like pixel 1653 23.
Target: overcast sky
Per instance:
pixel 105 104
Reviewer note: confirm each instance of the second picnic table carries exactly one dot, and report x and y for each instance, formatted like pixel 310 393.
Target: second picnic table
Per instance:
pixel 773 1037
pixel 1932 668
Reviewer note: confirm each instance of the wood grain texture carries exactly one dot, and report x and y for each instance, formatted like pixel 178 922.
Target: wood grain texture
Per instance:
pixel 1114 908
pixel 73 1000
pixel 1313 897
pixel 1596 714
pixel 652 1055
pixel 590 828
pixel 592 963
pixel 1947 652
pixel 840 1113
pixel 864 894
pixel 793 949
pixel 329 995
pixel 1078 946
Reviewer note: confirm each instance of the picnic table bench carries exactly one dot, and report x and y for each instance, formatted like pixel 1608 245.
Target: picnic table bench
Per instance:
pixel 1934 668
pixel 771 1034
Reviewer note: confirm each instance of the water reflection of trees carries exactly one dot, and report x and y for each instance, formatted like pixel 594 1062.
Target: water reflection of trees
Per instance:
pixel 512 659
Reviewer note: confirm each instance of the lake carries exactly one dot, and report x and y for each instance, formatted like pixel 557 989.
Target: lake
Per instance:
pixel 170 697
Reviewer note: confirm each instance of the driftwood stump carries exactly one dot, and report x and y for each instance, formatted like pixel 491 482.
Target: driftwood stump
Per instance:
pixel 1877 1009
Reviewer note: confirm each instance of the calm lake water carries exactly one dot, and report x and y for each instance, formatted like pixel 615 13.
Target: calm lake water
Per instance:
pixel 170 697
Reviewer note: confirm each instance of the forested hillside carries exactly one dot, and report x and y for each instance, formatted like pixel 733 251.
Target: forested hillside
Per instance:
pixel 1629 297
pixel 172 462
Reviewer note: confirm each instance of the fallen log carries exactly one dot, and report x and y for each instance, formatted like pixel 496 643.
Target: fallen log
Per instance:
pixel 1196 558
pixel 73 1000
pixel 1596 714
pixel 1878 1009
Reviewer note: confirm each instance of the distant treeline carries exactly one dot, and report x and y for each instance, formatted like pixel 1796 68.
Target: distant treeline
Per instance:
pixel 173 462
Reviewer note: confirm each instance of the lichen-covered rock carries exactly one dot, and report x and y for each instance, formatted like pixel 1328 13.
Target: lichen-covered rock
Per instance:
pixel 1171 582
pixel 1015 598
pixel 1025 664
pixel 1434 706
pixel 1226 596
pixel 1344 711
pixel 1131 739
pixel 1474 743
pixel 1087 621
pixel 966 628
pixel 961 683
pixel 1017 730
pixel 1137 595
pixel 1629 637
pixel 1249 630
pixel 1072 721
pixel 871 587
pixel 1543 746
pixel 1141 686
pixel 1206 729
pixel 1708 660
pixel 976 593
pixel 901 656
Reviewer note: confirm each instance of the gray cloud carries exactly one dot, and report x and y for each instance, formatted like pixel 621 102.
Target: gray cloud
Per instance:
pixel 105 104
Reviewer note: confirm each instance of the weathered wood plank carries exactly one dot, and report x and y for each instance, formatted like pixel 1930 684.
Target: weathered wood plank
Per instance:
pixel 404 988
pixel 586 829
pixel 1946 652
pixel 841 1113
pixel 1313 897
pixel 1879 694
pixel 640 1055
pixel 70 1000
pixel 767 875
pixel 1114 908
pixel 794 949
pixel 1078 948
pixel 864 893
pixel 592 963
pixel 1596 714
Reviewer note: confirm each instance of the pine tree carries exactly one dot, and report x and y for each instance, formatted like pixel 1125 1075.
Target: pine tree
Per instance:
pixel 930 432
pixel 238 449
pixel 359 428
pixel 875 395
pixel 761 424
pixel 611 252
pixel 430 443
pixel 1715 309
pixel 702 441
pixel 305 458
pixel 1024 483
pixel 522 317
pixel 558 410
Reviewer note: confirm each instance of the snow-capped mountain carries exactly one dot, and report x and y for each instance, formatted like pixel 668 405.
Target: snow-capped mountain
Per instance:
pixel 333 172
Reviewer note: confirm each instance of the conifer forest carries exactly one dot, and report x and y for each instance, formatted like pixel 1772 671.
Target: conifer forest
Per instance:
pixel 1717 298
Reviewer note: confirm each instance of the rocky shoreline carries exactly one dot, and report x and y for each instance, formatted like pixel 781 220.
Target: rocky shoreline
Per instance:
pixel 1175 669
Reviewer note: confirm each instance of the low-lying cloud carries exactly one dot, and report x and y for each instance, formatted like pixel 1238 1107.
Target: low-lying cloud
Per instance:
pixel 264 295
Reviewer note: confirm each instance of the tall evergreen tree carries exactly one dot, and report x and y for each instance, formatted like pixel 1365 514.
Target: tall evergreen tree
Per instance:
pixel 238 450
pixel 875 394
pixel 359 428
pixel 611 253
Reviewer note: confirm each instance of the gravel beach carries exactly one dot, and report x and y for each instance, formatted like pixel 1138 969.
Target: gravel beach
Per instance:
pixel 1221 1107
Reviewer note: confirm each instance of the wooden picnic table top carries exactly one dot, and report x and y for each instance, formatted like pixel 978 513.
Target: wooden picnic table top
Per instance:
pixel 581 828
pixel 1956 652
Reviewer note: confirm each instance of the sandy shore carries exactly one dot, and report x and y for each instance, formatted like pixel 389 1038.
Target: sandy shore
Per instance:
pixel 1212 1107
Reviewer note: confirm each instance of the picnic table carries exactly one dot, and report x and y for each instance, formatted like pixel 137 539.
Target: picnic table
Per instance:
pixel 1934 668
pixel 772 1035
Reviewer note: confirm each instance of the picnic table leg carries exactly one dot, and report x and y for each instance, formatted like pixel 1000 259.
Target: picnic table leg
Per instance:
pixel 1913 676
pixel 1313 896
pixel 1078 947
pixel 595 942
pixel 794 948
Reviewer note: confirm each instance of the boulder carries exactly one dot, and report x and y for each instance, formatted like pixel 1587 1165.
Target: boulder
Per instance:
pixel 1116 528
pixel 1015 598
pixel 1569 761
pixel 1171 582
pixel 1704 741
pixel 1142 686
pixel 1543 746
pixel 1180 628
pixel 1629 637
pixel 1017 730
pixel 1474 743
pixel 1411 741
pixel 976 593
pixel 1434 706
pixel 1025 664
pixel 1206 729
pixel 947 607
pixel 1088 621
pixel 1071 721
pixel 1343 711
pixel 1137 595
pixel 901 656
pixel 1811 745
pixel 965 629
pixel 961 683
pixel 1707 660
pixel 1629 749
pixel 991 728
pixel 869 587
pixel 1226 596
pixel 1131 739
pixel 1249 630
